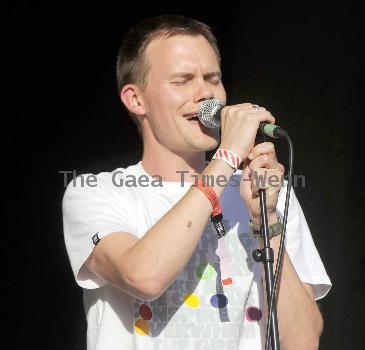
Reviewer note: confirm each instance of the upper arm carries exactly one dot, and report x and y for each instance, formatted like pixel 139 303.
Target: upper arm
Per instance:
pixel 91 216
pixel 109 260
pixel 309 289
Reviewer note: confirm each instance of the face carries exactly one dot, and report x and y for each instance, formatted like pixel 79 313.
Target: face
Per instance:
pixel 184 71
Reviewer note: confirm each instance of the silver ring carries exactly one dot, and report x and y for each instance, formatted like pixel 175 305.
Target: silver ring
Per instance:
pixel 256 107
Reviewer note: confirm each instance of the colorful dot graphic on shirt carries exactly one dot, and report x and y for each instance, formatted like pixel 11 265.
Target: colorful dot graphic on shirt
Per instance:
pixel 253 314
pixel 142 327
pixel 191 300
pixel 145 312
pixel 219 301
pixel 205 271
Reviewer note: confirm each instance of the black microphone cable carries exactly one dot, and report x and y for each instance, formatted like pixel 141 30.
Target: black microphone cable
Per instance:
pixel 282 239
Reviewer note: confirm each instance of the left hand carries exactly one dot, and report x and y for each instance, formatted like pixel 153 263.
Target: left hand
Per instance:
pixel 261 170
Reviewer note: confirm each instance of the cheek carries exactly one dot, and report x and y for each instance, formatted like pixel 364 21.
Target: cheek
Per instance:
pixel 220 94
pixel 171 103
pixel 178 96
pixel 168 99
pixel 163 107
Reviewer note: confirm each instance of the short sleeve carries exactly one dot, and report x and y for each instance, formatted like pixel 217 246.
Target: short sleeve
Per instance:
pixel 89 214
pixel 301 248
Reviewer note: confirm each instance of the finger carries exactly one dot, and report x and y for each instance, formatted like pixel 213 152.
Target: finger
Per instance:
pixel 245 109
pixel 262 116
pixel 267 161
pixel 248 106
pixel 258 108
pixel 262 148
pixel 266 179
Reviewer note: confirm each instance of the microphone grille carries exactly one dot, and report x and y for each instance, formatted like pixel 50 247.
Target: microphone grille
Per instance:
pixel 207 113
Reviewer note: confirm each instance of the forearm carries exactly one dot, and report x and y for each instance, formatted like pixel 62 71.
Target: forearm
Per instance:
pixel 166 248
pixel 300 321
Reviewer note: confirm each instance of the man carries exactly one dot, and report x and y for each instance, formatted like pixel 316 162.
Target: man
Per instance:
pixel 154 272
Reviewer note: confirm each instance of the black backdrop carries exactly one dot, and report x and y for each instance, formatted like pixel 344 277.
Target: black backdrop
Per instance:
pixel 300 60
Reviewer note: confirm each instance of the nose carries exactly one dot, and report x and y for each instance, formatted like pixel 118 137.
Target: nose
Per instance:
pixel 203 91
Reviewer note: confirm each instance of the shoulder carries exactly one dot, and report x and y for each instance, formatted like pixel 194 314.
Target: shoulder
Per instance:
pixel 104 185
pixel 91 183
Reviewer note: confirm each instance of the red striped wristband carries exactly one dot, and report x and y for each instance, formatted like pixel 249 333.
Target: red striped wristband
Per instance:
pixel 231 158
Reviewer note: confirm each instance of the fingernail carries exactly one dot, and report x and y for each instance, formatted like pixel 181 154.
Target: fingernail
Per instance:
pixel 250 156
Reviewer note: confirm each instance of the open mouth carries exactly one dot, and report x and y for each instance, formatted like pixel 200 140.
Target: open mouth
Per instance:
pixel 192 116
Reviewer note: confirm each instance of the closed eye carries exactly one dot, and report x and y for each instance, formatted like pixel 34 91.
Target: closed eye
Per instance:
pixel 183 82
pixel 213 78
pixel 215 81
pixel 180 82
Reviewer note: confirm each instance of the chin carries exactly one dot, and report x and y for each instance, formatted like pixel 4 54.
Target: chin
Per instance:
pixel 206 144
pixel 203 140
pixel 214 140
pixel 212 146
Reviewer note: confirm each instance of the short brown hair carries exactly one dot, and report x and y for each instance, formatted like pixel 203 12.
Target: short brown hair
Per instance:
pixel 132 66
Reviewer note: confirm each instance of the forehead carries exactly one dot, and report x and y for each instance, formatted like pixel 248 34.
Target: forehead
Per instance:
pixel 169 55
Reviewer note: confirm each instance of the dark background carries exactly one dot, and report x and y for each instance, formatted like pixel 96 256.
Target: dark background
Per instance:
pixel 300 60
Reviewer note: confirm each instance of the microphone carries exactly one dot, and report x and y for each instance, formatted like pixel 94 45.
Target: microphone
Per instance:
pixel 210 116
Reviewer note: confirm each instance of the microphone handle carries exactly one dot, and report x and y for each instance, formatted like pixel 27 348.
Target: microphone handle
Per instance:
pixel 272 130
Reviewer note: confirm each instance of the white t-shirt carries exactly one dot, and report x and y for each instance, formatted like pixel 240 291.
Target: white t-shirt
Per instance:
pixel 197 311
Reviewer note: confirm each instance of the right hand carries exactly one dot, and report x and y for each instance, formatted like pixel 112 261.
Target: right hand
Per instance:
pixel 239 125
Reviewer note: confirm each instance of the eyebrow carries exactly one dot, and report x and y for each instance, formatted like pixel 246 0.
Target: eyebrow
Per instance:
pixel 188 75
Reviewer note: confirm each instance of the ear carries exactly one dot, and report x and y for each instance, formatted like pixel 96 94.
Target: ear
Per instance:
pixel 131 97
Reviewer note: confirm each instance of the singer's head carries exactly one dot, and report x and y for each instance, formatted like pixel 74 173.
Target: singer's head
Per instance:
pixel 166 67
